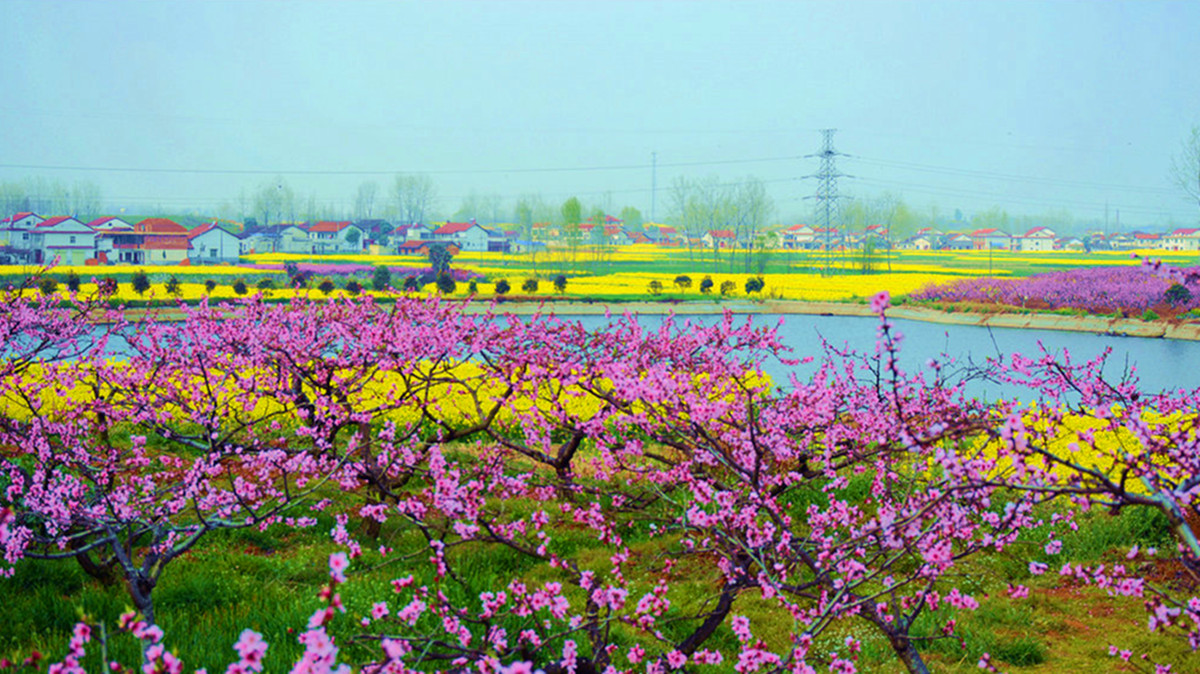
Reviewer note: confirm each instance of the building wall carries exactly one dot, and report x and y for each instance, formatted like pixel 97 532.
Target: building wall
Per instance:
pixel 472 239
pixel 1036 244
pixel 164 256
pixel 215 245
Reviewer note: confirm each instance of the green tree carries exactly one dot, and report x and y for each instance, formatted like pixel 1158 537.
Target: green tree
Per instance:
pixel 73 281
pixel 502 287
pixel 631 218
pixel 239 287
pixel 728 287
pixel 530 285
pixel 655 287
pixel 439 258
pixel 140 282
pixel 446 284
pixel 683 282
pixel 210 285
pixel 572 235
pixel 48 285
pixel 353 287
pixel 412 284
pixel 353 236
pixel 1177 294
pixel 706 285
pixel 560 283
pixel 572 211
pixel 382 278
pixel 327 286
pixel 524 213
pixel 755 285
pixel 173 287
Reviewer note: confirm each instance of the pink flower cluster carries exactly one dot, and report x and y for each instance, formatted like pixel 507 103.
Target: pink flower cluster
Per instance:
pixel 673 433
pixel 1092 289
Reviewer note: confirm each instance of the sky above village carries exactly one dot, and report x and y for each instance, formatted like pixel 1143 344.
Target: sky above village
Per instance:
pixel 1031 106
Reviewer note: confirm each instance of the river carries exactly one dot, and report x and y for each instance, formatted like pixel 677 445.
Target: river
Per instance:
pixel 1160 364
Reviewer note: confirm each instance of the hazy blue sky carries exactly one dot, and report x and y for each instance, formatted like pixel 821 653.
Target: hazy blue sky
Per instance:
pixel 1029 105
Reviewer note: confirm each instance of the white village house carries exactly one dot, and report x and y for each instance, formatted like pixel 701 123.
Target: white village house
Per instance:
pixel 65 238
pixel 1038 239
pixel 213 245
pixel 466 235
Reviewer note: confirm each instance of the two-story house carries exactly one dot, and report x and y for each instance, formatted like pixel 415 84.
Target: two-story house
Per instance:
pixel 64 238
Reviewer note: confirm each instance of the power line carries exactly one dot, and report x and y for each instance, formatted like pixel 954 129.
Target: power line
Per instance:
pixel 1009 176
pixel 1035 201
pixel 559 169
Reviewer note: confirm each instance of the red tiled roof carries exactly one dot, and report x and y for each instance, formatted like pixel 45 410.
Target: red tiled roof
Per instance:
pixel 50 222
pixel 795 228
pixel 991 231
pixel 328 226
pixel 1186 231
pixel 202 229
pixel 1035 230
pixel 412 244
pixel 160 226
pixel 23 215
pixel 1145 237
pixel 100 221
pixel 721 233
pixel 454 228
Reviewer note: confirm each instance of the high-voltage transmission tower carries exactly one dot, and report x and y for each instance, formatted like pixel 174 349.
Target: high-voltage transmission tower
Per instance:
pixel 827 191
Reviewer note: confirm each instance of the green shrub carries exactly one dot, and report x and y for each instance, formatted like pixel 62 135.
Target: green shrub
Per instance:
pixel 353 287
pixel 73 281
pixel 239 287
pixel 140 282
pixel 174 287
pixel 382 278
pixel 502 287
pixel 706 285
pixel 1149 315
pixel 530 285
pixel 445 283
pixel 327 286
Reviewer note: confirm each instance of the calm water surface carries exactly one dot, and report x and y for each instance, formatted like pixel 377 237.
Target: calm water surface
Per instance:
pixel 1159 364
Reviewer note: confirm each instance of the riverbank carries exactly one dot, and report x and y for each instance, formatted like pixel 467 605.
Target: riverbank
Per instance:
pixel 1103 325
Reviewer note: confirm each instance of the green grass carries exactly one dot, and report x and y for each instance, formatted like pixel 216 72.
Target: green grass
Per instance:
pixel 268 581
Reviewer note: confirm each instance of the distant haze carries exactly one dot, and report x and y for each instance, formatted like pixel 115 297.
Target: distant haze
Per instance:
pixel 1033 107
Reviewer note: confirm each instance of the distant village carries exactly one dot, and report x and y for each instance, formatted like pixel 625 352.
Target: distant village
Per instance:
pixel 29 238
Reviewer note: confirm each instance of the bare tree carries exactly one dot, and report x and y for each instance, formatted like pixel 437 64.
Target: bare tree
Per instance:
pixel 364 200
pixel 274 201
pixel 1185 166
pixel 413 197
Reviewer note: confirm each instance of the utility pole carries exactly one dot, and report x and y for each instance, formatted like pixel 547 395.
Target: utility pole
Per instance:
pixel 653 184
pixel 827 191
